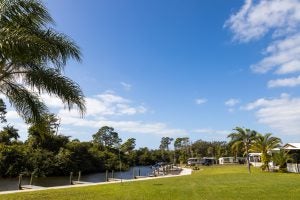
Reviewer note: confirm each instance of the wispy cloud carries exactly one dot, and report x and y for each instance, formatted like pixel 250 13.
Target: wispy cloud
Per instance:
pixel 281 19
pixel 200 101
pixel 105 109
pixel 282 113
pixel 232 102
pixel 256 18
pixel 126 86
pixel 284 82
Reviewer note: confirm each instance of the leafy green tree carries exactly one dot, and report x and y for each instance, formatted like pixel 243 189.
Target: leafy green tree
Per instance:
pixel 128 146
pixel 8 135
pixel 33 55
pixel 245 138
pixel 182 149
pixel 165 142
pixel 107 137
pixel 264 144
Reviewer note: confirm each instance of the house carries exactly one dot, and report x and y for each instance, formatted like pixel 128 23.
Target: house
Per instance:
pixel 294 150
pixel 255 159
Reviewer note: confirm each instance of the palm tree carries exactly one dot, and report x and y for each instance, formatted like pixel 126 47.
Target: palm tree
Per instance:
pixel 243 137
pixel 32 59
pixel 264 144
pixel 281 158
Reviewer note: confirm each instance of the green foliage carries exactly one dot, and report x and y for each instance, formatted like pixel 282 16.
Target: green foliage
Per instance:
pixel 242 137
pixel 107 137
pixel 264 144
pixel 34 54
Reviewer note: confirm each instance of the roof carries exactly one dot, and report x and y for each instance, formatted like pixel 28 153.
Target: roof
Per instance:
pixel 291 146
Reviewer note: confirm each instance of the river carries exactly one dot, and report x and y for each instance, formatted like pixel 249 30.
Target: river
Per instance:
pixel 12 183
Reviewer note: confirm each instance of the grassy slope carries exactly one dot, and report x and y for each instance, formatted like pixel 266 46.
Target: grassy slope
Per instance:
pixel 219 182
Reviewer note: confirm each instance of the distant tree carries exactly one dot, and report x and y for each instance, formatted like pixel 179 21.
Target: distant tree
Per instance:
pixel 264 144
pixel 8 134
pixel 128 146
pixel 107 137
pixel 243 137
pixel 165 142
pixel 182 149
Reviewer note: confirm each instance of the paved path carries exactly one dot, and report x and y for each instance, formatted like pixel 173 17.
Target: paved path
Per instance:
pixel 184 172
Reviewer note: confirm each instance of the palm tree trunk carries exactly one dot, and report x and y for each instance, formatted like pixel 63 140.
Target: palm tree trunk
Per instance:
pixel 248 159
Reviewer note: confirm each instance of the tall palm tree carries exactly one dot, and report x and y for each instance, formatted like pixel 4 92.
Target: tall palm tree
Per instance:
pixel 264 144
pixel 32 58
pixel 243 137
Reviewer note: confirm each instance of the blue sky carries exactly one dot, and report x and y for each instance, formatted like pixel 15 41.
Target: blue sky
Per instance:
pixel 181 68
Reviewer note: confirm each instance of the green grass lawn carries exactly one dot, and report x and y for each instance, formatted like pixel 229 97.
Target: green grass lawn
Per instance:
pixel 218 182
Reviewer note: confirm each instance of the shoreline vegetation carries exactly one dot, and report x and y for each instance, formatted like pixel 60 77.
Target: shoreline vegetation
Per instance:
pixel 213 182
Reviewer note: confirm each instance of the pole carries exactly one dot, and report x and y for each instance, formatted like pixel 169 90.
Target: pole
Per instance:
pixel 20 182
pixel 79 176
pixel 31 177
pixel 71 178
pixel 106 176
pixel 120 163
pixel 133 175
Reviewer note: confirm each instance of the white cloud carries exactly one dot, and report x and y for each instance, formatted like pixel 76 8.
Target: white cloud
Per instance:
pixel 281 114
pixel 126 126
pixel 282 55
pixel 281 19
pixel 232 102
pixel 256 18
pixel 285 82
pixel 200 101
pixel 126 86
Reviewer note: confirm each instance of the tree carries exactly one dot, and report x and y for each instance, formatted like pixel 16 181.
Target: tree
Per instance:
pixel 165 142
pixel 181 146
pixel 281 158
pixel 2 111
pixel 8 134
pixel 32 57
pixel 243 137
pixel 107 137
pixel 128 146
pixel 264 144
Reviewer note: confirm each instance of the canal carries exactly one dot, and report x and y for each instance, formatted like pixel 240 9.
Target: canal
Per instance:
pixel 12 183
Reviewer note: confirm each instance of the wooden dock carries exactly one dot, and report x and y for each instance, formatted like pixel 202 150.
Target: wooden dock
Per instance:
pixel 81 182
pixel 114 179
pixel 29 187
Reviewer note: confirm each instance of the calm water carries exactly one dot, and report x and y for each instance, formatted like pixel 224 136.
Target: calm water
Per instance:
pixel 12 183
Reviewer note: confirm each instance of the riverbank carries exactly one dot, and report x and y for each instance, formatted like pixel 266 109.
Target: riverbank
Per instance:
pixel 184 172
pixel 214 182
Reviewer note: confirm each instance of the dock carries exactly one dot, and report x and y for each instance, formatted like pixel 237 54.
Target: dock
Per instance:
pixel 81 182
pixel 29 187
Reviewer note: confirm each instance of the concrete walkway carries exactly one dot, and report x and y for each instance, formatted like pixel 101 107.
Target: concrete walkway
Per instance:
pixel 184 172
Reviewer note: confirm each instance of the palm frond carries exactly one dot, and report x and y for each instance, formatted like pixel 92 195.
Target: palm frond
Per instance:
pixel 26 103
pixel 50 81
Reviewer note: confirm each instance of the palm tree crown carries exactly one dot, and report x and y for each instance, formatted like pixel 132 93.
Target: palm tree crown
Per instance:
pixel 243 137
pixel 32 57
pixel 264 144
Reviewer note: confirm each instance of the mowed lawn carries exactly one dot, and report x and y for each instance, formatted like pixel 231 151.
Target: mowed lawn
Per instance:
pixel 217 182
